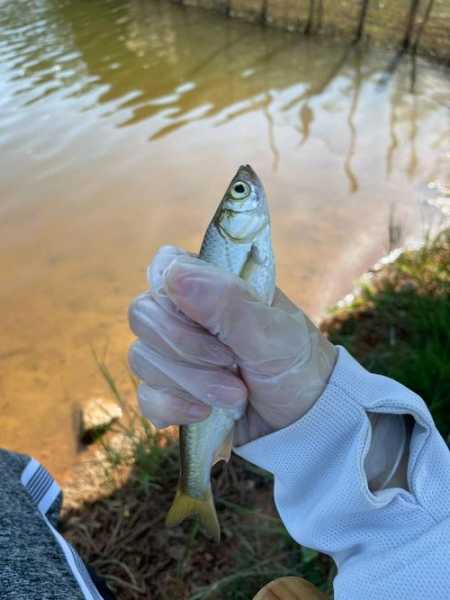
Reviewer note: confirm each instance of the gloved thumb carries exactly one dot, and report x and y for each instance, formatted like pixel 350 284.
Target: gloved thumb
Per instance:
pixel 265 338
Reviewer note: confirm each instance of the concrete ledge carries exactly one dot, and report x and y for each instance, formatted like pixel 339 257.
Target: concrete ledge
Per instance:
pixel 422 26
pixel 217 5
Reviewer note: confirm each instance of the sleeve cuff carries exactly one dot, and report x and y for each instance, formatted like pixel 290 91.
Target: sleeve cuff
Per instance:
pixel 318 461
pixel 341 411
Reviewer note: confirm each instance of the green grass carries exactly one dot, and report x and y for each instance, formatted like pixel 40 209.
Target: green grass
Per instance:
pixel 400 325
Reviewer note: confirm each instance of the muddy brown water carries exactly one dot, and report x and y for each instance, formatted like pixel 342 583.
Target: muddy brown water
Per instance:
pixel 121 123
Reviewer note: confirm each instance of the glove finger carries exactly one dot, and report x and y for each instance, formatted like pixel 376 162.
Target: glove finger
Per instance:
pixel 151 375
pixel 157 381
pixel 163 408
pixel 266 338
pixel 214 386
pixel 161 326
pixel 280 300
pixel 162 259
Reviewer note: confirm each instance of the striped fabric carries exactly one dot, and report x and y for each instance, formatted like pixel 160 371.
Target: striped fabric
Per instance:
pixel 44 490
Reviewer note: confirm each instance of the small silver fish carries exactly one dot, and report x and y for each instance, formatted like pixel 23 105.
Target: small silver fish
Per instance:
pixel 238 240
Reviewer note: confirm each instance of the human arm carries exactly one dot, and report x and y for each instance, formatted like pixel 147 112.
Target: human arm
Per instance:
pixel 299 417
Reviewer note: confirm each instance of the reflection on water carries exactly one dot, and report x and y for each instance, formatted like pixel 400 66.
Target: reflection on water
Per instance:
pixel 121 123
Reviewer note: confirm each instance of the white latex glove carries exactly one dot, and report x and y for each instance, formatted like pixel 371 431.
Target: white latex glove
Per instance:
pixel 199 323
pixel 186 358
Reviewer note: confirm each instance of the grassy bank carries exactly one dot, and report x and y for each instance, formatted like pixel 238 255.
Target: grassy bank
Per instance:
pixel 399 325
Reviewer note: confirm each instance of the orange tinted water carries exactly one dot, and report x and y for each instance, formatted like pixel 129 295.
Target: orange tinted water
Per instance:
pixel 121 124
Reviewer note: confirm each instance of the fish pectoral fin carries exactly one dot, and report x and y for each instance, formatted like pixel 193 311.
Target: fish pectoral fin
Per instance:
pixel 258 257
pixel 224 452
pixel 185 506
pixel 250 263
pixel 256 260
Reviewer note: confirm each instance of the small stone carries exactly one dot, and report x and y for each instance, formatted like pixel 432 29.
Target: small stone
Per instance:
pixel 97 416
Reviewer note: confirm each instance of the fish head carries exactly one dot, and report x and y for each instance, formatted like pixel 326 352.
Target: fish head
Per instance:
pixel 243 212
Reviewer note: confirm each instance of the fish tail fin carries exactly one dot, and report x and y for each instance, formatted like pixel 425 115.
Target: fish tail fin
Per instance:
pixel 184 506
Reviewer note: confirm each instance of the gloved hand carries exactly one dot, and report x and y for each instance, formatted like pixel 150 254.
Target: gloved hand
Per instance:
pixel 205 340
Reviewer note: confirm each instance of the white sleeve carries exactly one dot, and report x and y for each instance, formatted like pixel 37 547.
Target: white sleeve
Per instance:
pixel 389 544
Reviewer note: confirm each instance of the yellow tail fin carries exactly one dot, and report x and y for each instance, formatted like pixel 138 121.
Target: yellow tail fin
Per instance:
pixel 184 506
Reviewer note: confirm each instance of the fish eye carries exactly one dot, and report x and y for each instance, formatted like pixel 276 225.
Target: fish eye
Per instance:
pixel 240 190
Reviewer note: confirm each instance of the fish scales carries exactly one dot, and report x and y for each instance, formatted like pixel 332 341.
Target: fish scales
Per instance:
pixel 238 240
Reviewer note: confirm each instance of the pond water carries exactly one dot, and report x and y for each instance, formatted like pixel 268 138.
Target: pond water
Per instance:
pixel 121 123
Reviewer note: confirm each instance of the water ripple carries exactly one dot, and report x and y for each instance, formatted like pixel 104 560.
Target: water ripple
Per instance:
pixel 142 64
